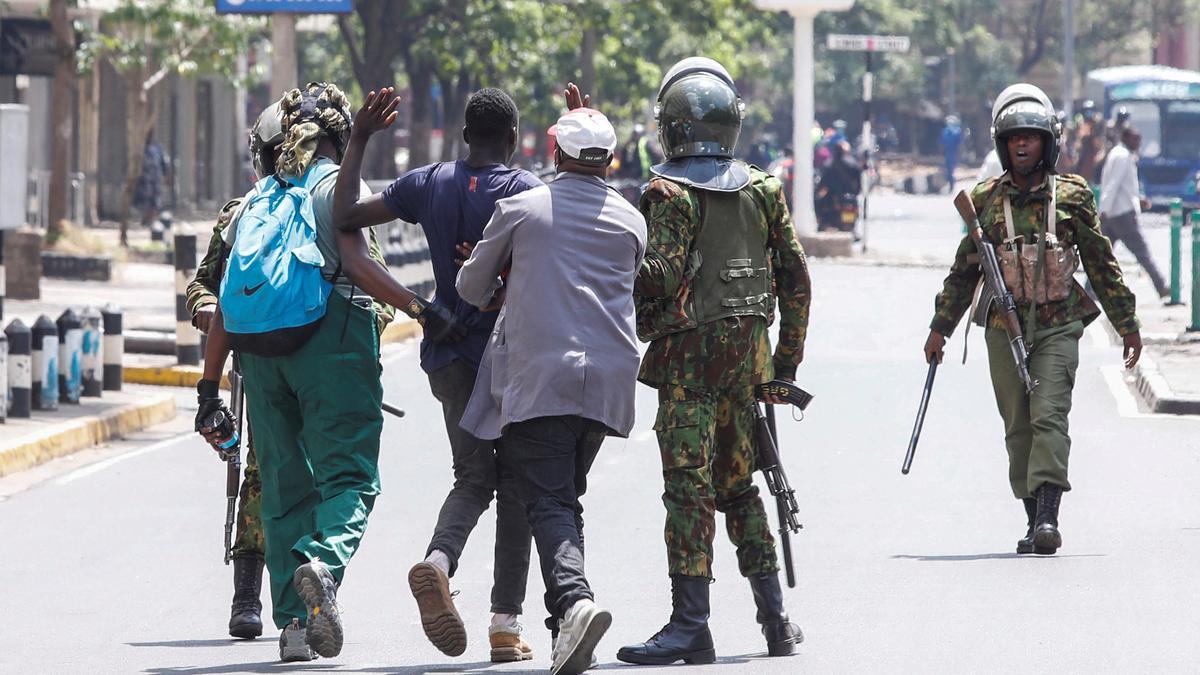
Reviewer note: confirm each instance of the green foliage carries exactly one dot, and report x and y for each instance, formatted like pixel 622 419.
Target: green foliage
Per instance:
pixel 185 37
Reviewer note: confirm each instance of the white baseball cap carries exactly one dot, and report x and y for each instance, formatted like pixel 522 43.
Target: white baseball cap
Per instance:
pixel 586 135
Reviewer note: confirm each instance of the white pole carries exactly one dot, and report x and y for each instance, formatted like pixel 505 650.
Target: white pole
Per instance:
pixel 283 54
pixel 803 216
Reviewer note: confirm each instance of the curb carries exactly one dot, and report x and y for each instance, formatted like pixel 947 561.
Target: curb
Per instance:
pixel 85 432
pixel 188 376
pixel 1157 394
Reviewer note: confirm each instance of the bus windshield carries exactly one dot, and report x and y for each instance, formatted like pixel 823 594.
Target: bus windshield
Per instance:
pixel 1181 130
pixel 1144 116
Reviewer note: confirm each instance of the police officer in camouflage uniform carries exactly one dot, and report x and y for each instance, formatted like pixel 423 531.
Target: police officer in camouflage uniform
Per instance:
pixel 720 251
pixel 245 615
pixel 1027 136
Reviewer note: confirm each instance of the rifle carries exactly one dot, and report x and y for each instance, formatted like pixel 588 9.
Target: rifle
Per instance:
pixel 772 468
pixel 994 280
pixel 916 434
pixel 233 456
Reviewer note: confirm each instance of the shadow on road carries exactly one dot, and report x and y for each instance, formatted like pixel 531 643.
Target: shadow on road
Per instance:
pixel 218 642
pixel 993 556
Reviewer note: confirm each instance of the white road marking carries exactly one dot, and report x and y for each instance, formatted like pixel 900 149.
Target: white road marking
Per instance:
pixel 92 469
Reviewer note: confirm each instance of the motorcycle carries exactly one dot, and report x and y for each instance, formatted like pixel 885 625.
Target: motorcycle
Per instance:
pixel 836 211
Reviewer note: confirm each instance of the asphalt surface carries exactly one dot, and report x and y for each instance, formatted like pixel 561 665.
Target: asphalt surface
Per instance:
pixel 112 559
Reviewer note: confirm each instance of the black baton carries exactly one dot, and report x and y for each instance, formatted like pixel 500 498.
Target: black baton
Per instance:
pixel 916 434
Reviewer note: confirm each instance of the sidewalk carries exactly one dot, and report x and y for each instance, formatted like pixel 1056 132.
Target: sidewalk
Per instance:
pixel 146 294
pixel 49 434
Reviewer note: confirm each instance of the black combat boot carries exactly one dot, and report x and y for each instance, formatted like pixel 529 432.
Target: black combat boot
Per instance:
pixel 1025 544
pixel 782 635
pixel 1046 538
pixel 686 638
pixel 245 620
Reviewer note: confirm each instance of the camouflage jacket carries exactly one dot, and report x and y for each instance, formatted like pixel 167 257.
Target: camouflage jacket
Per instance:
pixel 1077 226
pixel 727 351
pixel 205 286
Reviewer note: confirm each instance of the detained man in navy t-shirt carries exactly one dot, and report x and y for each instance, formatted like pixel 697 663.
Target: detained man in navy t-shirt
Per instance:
pixel 453 201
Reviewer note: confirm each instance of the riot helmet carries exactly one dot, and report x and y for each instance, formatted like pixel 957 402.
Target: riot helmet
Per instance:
pixel 1024 107
pixel 699 111
pixel 266 135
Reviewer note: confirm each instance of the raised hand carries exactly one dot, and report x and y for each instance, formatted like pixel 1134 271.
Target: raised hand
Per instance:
pixel 377 113
pixel 574 98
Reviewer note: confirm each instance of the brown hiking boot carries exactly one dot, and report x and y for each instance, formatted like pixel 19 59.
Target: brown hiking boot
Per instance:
pixel 444 628
pixel 507 644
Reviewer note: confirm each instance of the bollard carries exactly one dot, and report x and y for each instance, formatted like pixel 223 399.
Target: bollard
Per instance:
pixel 92 336
pixel 70 356
pixel 3 275
pixel 1176 236
pixel 20 369
pixel 3 377
pixel 187 337
pixel 114 347
pixel 45 364
pixel 1195 273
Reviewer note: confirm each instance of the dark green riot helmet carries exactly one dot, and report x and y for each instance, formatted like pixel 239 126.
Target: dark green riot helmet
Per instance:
pixel 1024 107
pixel 699 115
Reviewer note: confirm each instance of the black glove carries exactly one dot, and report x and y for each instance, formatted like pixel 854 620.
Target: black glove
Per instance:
pixel 212 413
pixel 439 323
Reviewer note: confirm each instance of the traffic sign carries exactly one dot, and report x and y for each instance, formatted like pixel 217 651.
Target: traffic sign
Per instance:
pixel 867 43
pixel 290 6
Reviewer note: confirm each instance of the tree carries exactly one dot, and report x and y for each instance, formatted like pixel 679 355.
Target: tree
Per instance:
pixel 60 124
pixel 148 40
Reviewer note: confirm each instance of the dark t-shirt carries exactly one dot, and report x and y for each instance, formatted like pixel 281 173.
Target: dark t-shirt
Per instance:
pixel 453 202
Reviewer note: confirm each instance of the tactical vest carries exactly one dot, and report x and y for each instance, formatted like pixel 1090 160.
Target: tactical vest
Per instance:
pixel 727 274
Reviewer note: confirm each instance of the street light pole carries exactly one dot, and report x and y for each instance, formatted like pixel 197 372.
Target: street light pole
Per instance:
pixel 1068 97
pixel 803 13
pixel 284 73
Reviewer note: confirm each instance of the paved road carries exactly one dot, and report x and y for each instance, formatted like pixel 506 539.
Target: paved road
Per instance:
pixel 114 566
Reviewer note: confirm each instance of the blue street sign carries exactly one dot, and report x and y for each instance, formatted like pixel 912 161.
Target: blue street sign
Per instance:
pixel 274 6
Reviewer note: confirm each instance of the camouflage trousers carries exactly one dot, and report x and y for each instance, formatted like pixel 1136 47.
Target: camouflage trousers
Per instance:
pixel 248 539
pixel 706 438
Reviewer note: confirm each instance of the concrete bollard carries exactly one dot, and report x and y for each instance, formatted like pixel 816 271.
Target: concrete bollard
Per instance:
pixel 187 337
pixel 113 349
pixel 70 356
pixel 92 339
pixel 45 364
pixel 20 369
pixel 3 377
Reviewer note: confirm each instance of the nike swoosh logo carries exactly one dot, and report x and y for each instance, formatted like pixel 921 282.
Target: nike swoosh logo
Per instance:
pixel 251 290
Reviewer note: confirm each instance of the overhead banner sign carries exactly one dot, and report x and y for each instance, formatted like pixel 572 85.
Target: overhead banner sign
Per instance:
pixel 867 43
pixel 26 47
pixel 279 6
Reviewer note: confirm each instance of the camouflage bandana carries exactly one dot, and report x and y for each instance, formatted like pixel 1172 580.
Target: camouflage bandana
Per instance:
pixel 320 109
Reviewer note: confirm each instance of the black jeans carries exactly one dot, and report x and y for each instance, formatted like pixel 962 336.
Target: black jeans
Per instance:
pixel 477 476
pixel 1126 229
pixel 551 457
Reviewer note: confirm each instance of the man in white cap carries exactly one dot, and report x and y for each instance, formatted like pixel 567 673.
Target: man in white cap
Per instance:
pixel 559 372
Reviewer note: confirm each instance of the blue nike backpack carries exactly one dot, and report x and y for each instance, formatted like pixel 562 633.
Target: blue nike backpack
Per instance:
pixel 273 295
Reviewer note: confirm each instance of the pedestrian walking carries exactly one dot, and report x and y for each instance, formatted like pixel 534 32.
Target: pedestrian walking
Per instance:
pixel 292 303
pixel 248 551
pixel 452 201
pixel 721 252
pixel 559 372
pixel 156 170
pixel 1044 224
pixel 1121 205
pixel 951 140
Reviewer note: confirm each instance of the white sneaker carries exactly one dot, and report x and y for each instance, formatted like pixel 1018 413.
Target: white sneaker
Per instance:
pixel 578 634
pixel 292 644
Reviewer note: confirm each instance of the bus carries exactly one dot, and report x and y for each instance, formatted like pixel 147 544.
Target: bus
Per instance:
pixel 1164 106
